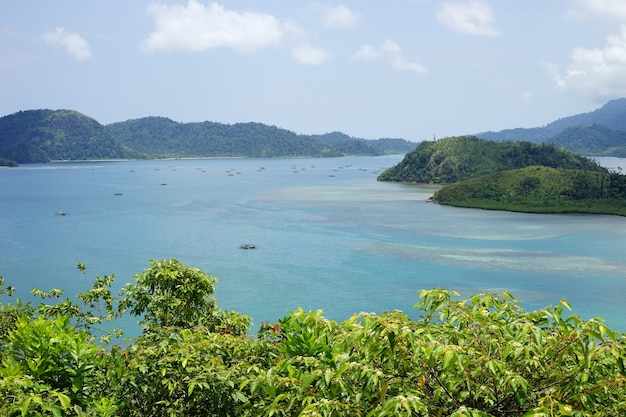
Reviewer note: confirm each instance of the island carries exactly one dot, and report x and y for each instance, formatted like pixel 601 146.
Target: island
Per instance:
pixel 512 176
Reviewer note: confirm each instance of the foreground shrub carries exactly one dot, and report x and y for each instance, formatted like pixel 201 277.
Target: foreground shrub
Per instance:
pixel 476 357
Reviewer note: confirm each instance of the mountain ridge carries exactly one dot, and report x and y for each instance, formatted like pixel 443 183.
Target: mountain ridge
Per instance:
pixel 611 115
pixel 45 135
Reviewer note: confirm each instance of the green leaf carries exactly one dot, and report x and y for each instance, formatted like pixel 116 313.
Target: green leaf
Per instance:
pixel 448 358
pixel 65 401
pixel 25 406
pixel 566 304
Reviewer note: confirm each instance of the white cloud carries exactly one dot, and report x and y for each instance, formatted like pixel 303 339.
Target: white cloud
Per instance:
pixel 391 52
pixel 612 9
pixel 473 17
pixel 310 55
pixel 525 97
pixel 596 72
pixel 74 44
pixel 196 27
pixel 339 16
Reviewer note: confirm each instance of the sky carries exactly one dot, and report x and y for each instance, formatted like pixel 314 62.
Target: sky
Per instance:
pixel 412 69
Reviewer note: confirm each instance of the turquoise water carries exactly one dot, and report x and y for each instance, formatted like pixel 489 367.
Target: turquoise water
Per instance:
pixel 327 234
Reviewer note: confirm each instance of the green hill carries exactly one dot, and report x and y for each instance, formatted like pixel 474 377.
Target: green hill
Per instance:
pixel 593 139
pixel 612 115
pixel 162 137
pixel 46 135
pixel 540 189
pixel 458 158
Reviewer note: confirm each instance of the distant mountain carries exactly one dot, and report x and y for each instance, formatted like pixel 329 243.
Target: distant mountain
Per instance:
pixel 161 137
pixel 612 116
pixel 46 135
pixel 592 140
pixel 455 159
pixel 350 145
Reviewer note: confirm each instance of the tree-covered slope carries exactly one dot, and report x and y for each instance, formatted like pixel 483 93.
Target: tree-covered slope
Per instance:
pixel 458 158
pixel 382 145
pixel 163 137
pixel 482 356
pixel 596 140
pixel 612 115
pixel 540 189
pixel 44 135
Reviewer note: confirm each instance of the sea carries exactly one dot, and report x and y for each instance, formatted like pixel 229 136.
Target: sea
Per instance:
pixel 326 234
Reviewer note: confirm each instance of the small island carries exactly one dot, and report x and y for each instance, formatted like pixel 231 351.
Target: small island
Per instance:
pixel 539 189
pixel 512 176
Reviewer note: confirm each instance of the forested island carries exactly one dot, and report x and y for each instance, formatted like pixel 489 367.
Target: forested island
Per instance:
pixel 540 189
pixel 481 356
pixel 459 158
pixel 56 135
pixel 514 176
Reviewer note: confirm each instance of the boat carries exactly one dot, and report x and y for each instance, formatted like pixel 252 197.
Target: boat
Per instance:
pixel 247 246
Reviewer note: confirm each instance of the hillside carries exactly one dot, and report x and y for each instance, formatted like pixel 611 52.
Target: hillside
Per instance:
pixel 592 140
pixel 46 135
pixel 458 158
pixel 162 137
pixel 540 189
pixel 612 116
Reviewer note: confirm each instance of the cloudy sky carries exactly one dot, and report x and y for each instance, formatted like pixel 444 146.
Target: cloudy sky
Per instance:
pixel 415 69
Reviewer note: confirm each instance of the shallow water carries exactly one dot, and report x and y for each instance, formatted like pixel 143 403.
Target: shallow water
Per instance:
pixel 327 234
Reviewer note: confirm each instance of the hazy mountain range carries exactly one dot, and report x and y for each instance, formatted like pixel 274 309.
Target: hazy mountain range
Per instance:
pixel 47 135
pixel 601 132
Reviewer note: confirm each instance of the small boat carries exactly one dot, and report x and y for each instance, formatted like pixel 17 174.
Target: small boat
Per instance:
pixel 62 213
pixel 247 246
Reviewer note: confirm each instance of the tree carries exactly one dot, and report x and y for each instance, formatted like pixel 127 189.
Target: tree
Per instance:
pixel 482 356
pixel 170 294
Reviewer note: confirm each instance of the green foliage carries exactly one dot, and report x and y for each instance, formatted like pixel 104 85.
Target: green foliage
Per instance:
pixel 44 135
pixel 162 137
pixel 459 158
pixel 482 356
pixel 51 369
pixel 54 353
pixel 92 309
pixel 191 372
pixel 170 294
pixel 9 315
pixel 610 116
pixel 542 190
pixel 592 140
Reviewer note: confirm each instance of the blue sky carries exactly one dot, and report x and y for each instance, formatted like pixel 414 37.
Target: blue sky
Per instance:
pixel 414 69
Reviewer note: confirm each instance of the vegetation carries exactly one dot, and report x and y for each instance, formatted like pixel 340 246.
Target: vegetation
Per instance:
pixel 476 357
pixel 45 135
pixel 540 190
pixel 610 116
pixel 593 140
pixel 458 158
pixel 7 163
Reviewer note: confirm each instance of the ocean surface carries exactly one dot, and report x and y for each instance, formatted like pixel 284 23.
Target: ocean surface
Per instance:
pixel 327 234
